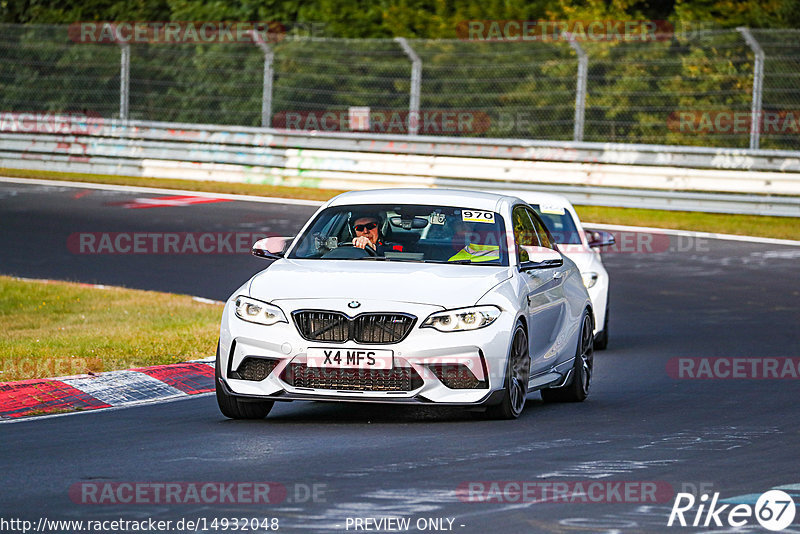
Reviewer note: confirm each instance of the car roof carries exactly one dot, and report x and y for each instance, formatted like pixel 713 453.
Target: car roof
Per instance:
pixel 537 197
pixel 432 196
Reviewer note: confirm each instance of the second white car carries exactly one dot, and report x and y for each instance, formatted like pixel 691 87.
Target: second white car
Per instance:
pixel 581 246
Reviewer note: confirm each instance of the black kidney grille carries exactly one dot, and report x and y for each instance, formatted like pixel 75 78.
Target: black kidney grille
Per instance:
pixel 373 328
pixel 322 325
pixel 396 379
pixel 381 328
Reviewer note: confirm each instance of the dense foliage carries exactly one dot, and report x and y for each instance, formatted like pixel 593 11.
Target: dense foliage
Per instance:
pixel 430 19
pixel 509 89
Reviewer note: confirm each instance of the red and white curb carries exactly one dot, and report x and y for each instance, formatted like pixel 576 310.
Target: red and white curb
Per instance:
pixel 170 201
pixel 105 390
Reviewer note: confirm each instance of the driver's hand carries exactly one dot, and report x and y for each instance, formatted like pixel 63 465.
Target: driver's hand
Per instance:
pixel 362 241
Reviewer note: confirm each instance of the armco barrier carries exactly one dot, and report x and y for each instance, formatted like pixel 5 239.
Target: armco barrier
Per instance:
pixel 647 176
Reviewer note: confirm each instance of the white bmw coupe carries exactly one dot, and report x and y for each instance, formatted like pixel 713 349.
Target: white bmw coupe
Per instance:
pixel 427 296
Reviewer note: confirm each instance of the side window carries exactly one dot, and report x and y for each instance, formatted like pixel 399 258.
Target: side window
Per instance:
pixel 524 232
pixel 544 239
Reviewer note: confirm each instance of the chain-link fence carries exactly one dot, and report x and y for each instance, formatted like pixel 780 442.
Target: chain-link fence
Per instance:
pixel 688 89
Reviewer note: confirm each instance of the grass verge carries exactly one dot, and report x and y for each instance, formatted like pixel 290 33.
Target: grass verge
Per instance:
pixel 753 225
pixel 61 328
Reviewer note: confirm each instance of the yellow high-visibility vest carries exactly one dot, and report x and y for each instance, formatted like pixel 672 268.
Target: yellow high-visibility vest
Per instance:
pixel 477 253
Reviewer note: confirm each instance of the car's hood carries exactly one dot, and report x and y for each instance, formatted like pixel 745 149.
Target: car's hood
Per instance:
pixel 444 285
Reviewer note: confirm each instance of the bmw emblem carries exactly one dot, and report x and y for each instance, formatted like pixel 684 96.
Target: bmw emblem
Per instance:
pixel 353 304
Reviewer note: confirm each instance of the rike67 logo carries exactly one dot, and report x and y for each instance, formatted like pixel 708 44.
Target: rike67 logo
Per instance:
pixel 774 510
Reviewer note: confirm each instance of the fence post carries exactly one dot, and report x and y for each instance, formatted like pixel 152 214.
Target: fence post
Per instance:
pixel 416 83
pixel 758 87
pixel 580 90
pixel 266 92
pixel 124 80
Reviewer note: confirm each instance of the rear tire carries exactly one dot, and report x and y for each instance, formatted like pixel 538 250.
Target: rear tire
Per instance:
pixel 517 373
pixel 578 389
pixel 231 407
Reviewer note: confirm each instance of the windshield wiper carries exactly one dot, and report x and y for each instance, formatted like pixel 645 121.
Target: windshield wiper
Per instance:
pixel 451 262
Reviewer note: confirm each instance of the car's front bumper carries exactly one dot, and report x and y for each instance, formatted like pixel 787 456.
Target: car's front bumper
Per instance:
pixel 483 352
pixel 492 397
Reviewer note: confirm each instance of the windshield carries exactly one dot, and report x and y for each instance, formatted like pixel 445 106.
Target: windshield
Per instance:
pixel 414 233
pixel 560 224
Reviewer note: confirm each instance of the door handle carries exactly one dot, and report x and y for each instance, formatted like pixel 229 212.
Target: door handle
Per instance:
pixel 558 274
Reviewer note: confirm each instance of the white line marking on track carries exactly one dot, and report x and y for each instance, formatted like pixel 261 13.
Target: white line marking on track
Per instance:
pixel 103 286
pixel 155 190
pixel 688 233
pixel 207 301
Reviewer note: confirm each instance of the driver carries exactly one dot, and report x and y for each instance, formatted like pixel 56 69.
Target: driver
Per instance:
pixel 366 230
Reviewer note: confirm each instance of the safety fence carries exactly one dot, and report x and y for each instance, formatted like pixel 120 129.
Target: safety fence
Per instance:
pixel 737 88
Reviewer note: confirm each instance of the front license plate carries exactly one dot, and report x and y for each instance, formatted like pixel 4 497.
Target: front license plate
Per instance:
pixel 349 358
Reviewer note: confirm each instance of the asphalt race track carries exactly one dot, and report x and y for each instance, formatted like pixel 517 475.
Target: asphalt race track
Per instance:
pixel 341 462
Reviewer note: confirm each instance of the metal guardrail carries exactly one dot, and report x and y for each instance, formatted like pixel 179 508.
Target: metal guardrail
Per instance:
pixel 586 152
pixel 644 176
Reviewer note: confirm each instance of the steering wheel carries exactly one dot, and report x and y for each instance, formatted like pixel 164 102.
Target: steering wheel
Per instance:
pixel 347 250
pixel 369 249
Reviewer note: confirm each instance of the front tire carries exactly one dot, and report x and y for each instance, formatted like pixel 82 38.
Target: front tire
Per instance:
pixel 578 389
pixel 517 373
pixel 233 408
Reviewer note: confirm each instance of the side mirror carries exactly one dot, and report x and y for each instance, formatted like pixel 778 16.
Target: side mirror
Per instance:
pixel 271 247
pixel 600 238
pixel 533 257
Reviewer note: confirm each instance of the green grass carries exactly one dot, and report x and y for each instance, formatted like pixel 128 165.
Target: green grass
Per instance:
pixel 753 225
pixel 61 328
pixel 718 223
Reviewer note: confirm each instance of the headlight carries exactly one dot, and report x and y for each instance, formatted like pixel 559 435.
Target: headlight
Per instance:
pixel 255 311
pixel 589 279
pixel 462 319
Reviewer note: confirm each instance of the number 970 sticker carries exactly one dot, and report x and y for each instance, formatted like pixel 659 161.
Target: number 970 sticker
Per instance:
pixel 477 216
